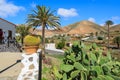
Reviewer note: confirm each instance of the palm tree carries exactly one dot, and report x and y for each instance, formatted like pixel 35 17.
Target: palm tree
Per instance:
pixel 43 17
pixel 23 30
pixel 108 23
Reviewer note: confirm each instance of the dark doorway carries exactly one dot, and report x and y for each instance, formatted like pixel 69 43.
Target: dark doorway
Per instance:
pixel 10 34
pixel 1 35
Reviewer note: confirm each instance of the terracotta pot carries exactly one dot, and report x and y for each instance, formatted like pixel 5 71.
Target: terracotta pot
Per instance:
pixel 30 49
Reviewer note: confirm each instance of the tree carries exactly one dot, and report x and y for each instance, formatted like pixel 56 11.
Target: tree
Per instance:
pixel 23 30
pixel 108 23
pixel 43 17
pixel 117 41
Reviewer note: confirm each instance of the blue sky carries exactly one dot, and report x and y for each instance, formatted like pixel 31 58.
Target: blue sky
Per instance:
pixel 70 11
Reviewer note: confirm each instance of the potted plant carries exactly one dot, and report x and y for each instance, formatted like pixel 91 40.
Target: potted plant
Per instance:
pixel 31 43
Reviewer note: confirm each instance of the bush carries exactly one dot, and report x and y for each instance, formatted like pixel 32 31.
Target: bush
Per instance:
pixel 100 38
pixel 51 41
pixel 60 45
pixel 46 40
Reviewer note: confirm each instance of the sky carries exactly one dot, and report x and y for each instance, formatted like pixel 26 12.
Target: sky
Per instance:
pixel 69 11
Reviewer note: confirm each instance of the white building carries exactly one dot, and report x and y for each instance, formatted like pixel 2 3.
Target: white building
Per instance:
pixel 7 28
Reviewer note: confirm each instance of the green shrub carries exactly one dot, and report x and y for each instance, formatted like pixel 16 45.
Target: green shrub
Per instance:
pixel 81 63
pixel 100 38
pixel 31 40
pixel 46 40
pixel 51 41
pixel 60 44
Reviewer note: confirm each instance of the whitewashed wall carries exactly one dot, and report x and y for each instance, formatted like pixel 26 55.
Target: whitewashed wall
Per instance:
pixel 5 26
pixel 50 46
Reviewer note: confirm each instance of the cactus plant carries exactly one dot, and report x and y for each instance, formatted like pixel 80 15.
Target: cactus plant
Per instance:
pixel 31 40
pixel 80 63
pixel 31 44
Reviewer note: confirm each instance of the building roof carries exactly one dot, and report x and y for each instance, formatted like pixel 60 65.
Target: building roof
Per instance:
pixel 7 21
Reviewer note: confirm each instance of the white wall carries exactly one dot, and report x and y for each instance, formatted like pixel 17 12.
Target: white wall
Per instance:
pixel 50 46
pixel 5 26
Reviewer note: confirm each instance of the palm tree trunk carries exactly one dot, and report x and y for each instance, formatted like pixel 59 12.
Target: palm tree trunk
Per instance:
pixel 43 39
pixel 108 37
pixel 42 53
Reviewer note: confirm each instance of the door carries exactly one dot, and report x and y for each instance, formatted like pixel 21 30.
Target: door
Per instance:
pixel 10 34
pixel 1 35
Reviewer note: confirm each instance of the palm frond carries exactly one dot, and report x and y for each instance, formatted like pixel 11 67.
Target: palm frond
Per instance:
pixel 43 15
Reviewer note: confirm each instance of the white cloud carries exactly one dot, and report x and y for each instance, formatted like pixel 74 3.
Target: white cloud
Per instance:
pixel 91 19
pixel 9 9
pixel 67 12
pixel 115 18
pixel 102 24
pixel 33 5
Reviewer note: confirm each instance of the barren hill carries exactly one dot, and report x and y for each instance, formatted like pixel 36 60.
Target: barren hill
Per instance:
pixel 115 28
pixel 84 27
pixel 48 33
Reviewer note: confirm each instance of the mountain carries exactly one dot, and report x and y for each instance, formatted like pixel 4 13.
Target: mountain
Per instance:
pixel 115 28
pixel 83 27
pixel 48 33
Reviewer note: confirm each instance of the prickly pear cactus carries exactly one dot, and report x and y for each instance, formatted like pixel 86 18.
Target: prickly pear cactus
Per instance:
pixel 82 63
